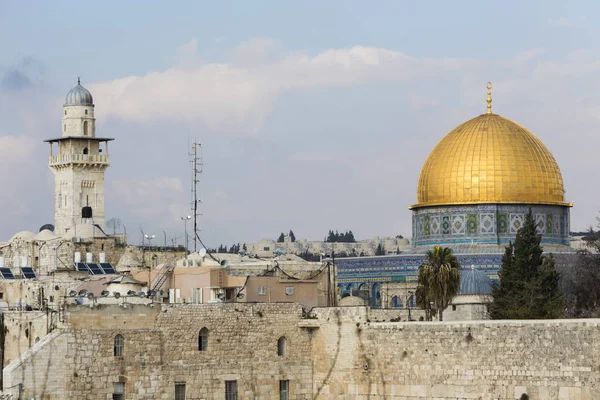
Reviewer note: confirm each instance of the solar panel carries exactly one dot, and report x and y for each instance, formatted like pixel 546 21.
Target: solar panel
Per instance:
pixel 95 269
pixel 108 268
pixel 81 267
pixel 6 273
pixel 28 272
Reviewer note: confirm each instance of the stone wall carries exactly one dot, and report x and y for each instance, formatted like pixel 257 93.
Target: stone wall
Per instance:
pixel 336 353
pixel 354 359
pixel 22 330
pixel 242 346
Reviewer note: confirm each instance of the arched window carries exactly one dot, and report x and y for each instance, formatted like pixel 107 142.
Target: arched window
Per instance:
pixel 396 302
pixel 85 150
pixel 85 129
pixel 411 302
pixel 203 340
pixel 281 346
pixel 119 343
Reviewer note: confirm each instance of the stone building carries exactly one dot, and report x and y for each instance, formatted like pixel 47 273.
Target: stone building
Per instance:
pixel 79 166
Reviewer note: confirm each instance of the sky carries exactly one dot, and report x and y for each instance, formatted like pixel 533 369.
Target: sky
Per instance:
pixel 312 115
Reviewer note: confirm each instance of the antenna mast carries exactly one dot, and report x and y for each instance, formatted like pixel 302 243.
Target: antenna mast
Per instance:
pixel 197 164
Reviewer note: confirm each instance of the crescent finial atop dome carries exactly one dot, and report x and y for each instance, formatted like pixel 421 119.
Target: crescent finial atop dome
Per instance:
pixel 489 97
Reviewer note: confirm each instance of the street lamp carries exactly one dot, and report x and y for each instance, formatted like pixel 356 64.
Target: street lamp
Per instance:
pixel 149 237
pixel 185 220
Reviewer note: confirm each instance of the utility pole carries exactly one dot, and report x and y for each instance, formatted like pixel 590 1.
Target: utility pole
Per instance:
pixel 197 164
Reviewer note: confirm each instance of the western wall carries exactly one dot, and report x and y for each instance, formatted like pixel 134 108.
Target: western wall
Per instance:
pixel 330 353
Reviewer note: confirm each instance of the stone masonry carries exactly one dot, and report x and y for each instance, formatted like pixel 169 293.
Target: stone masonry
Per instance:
pixel 331 353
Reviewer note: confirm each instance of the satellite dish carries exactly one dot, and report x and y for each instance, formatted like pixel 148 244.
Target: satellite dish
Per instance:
pixel 117 295
pixel 83 292
pixel 90 296
pixel 242 252
pixel 72 293
pixel 221 296
pixel 48 227
pixel 202 252
pixel 142 294
pixel 131 293
pixel 105 293
pixel 224 264
pixel 78 300
pixel 151 293
pixel 240 295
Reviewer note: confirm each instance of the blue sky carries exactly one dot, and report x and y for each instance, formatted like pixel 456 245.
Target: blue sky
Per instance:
pixel 313 115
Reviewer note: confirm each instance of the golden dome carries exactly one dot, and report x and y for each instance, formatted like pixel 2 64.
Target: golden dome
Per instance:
pixel 490 159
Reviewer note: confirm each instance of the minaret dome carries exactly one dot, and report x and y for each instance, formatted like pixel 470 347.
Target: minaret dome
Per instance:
pixel 79 96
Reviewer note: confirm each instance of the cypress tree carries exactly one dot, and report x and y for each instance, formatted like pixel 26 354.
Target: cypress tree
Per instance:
pixel 528 287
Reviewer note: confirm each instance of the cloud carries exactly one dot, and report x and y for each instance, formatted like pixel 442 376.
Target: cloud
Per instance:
pixel 18 76
pixel 14 80
pixel 146 198
pixel 527 56
pixel 239 95
pixel 16 148
pixel 561 22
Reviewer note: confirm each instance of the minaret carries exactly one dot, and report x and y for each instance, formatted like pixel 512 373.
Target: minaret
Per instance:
pixel 79 164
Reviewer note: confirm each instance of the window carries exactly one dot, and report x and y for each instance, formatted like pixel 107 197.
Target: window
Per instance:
pixel 284 390
pixel 118 391
pixel 203 340
pixel 453 307
pixel 266 248
pixel 262 290
pixel 65 112
pixel 179 390
pixel 289 290
pixel 281 346
pixel 231 390
pixel 51 299
pixel 86 112
pixel 119 343
pixel 1 295
pixel 85 150
pixel 85 128
pixel 65 127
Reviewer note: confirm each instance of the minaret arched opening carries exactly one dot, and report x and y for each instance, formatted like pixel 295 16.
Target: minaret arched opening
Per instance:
pixel 85 128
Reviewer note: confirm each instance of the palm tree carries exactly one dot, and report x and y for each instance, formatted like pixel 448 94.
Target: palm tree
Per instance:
pixel 439 280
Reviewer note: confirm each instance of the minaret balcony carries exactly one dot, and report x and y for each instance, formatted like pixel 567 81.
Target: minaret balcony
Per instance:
pixel 92 159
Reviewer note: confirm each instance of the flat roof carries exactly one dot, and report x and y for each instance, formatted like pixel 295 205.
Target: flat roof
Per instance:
pixel 97 139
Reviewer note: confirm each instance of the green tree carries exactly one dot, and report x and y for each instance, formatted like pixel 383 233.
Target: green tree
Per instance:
pixel 438 281
pixel 528 287
pixel 292 236
pixel 281 238
pixel 380 251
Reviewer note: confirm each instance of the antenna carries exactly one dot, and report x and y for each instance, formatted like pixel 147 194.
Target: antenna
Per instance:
pixel 197 165
pixel 114 224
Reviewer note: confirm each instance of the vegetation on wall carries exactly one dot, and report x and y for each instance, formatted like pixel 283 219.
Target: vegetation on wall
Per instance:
pixel 337 237
pixel 580 279
pixel 438 281
pixel 528 287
